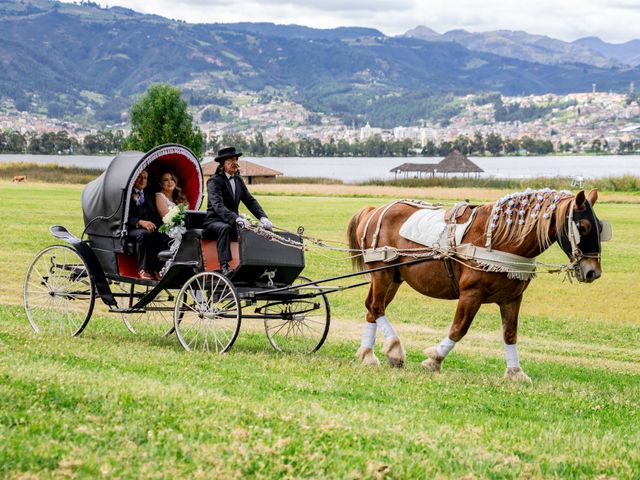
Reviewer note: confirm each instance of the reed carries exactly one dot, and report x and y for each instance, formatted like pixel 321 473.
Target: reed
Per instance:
pixel 627 183
pixel 48 173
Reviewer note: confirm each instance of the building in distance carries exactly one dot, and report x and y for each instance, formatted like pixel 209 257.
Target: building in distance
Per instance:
pixel 251 172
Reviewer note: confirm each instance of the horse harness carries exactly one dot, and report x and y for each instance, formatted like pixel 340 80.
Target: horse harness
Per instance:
pixel 459 213
pixel 485 259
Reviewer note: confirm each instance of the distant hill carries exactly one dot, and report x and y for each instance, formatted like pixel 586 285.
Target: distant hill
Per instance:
pixel 627 53
pixel 538 48
pixel 86 61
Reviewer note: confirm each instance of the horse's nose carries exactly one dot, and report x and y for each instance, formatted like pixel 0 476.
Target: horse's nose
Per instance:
pixel 592 275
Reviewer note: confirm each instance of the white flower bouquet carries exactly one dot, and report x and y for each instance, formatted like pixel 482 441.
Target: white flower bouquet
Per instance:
pixel 173 221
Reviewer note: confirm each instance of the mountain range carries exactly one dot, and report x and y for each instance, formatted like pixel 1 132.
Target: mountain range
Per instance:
pixel 539 48
pixel 86 61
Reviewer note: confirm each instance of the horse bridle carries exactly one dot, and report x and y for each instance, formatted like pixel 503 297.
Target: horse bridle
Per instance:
pixel 590 242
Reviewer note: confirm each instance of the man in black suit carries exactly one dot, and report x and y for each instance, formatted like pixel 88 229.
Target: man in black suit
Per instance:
pixel 143 225
pixel 226 190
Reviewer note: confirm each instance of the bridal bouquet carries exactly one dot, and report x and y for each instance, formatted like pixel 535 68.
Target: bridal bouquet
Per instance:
pixel 173 226
pixel 173 221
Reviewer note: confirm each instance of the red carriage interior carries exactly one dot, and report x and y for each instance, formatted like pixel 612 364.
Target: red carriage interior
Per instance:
pixel 188 176
pixel 189 180
pixel 128 264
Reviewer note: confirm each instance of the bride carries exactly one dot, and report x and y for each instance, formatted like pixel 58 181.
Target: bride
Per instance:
pixel 170 193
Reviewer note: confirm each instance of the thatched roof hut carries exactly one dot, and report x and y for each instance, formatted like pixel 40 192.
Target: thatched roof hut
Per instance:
pixel 251 172
pixel 415 167
pixel 455 162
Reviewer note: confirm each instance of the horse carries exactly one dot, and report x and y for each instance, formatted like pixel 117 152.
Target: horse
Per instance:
pixel 523 224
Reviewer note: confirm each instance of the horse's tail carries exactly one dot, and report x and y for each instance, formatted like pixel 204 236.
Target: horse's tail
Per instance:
pixel 354 242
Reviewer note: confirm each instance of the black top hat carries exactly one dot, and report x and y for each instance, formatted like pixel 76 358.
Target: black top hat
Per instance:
pixel 227 152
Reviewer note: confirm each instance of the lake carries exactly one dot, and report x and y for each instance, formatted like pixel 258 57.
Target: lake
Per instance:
pixel 349 169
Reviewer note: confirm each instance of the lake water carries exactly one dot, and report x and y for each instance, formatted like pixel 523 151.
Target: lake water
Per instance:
pixel 349 169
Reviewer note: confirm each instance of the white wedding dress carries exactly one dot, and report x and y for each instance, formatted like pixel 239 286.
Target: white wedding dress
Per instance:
pixel 166 199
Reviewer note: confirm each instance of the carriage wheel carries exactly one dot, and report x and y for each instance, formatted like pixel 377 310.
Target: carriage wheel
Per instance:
pixel 156 318
pixel 207 314
pixel 301 325
pixel 58 291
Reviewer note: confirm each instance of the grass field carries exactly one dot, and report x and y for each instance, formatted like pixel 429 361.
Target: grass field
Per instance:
pixel 113 404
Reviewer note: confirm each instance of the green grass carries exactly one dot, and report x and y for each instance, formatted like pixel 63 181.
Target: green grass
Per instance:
pixel 113 404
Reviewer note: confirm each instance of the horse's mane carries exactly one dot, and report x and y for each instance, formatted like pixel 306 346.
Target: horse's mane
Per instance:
pixel 515 216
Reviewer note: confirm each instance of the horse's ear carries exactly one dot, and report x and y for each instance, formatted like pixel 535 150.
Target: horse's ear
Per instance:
pixel 580 198
pixel 593 196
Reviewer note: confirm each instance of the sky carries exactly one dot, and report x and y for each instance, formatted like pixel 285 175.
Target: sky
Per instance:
pixel 614 21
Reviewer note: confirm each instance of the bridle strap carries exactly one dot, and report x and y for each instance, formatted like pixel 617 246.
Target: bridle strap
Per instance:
pixel 572 230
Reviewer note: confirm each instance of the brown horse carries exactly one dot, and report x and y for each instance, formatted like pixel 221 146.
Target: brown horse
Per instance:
pixel 524 224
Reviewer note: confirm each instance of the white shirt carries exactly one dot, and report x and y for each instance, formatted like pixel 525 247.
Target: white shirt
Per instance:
pixel 232 181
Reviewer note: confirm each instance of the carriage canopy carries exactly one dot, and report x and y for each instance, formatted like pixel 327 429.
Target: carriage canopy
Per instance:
pixel 105 200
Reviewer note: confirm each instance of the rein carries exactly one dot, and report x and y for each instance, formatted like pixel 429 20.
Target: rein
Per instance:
pixel 516 265
pixel 475 257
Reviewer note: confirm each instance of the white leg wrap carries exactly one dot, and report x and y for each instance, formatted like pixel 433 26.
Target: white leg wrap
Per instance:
pixel 386 328
pixel 511 354
pixel 445 346
pixel 369 335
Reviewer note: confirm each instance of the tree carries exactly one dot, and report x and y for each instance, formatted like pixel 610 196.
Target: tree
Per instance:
pixel 257 145
pixel 493 143
pixel 162 116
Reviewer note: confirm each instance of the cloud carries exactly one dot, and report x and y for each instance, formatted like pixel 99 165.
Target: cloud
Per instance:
pixel 563 19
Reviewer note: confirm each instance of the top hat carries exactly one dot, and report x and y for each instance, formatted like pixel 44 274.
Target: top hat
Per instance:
pixel 227 152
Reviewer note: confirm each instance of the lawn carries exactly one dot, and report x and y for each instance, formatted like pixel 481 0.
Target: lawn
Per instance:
pixel 113 404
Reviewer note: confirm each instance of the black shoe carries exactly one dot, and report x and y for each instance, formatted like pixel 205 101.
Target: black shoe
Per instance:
pixel 227 271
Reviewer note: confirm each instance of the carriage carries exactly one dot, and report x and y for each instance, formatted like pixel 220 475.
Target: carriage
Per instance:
pixel 193 299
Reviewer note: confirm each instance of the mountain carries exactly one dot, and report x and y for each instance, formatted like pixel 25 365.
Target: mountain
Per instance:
pixel 627 53
pixel 424 33
pixel 86 61
pixel 538 48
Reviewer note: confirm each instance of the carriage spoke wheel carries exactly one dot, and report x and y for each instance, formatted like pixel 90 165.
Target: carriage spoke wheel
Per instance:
pixel 298 325
pixel 58 292
pixel 156 317
pixel 207 314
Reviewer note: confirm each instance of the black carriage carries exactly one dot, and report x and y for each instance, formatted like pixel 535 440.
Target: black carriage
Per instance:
pixel 193 299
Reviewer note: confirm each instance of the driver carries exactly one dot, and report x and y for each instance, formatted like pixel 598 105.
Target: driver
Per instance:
pixel 225 191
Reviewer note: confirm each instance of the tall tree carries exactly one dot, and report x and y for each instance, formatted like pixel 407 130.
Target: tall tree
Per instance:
pixel 162 116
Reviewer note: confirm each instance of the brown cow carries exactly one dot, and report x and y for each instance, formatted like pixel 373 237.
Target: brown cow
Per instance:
pixel 19 178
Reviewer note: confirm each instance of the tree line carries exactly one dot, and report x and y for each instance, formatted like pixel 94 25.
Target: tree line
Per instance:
pixel 492 144
pixel 112 142
pixel 61 143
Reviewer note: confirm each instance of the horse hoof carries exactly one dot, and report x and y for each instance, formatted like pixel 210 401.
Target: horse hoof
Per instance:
pixel 395 353
pixel 432 365
pixel 515 374
pixel 432 353
pixel 367 357
pixel 395 362
pixel 434 361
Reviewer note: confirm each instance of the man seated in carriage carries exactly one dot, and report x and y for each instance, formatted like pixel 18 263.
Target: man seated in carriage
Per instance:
pixel 225 191
pixel 143 224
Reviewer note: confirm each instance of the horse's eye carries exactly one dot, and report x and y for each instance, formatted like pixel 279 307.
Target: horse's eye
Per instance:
pixel 584 226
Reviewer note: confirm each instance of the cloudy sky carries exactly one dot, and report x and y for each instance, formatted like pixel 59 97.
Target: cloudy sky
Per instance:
pixel 611 20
